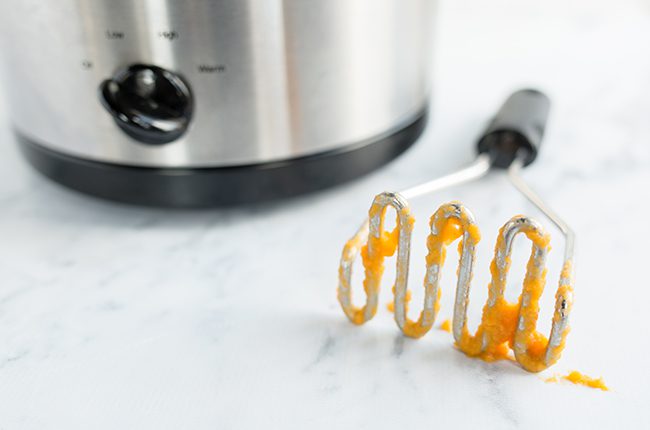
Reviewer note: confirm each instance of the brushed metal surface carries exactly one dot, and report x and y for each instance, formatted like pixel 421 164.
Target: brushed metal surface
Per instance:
pixel 272 79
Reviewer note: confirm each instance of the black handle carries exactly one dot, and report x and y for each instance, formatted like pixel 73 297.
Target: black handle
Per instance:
pixel 518 126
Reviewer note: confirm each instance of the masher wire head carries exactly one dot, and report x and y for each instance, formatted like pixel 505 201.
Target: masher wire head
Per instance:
pixel 375 253
pixel 511 141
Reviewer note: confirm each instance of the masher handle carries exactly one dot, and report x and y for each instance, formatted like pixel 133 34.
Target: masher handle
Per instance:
pixel 518 126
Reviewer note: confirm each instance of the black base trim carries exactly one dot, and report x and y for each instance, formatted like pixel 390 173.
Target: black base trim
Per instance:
pixel 223 186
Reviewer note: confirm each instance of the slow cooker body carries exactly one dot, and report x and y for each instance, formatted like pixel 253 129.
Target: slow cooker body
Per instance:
pixel 211 102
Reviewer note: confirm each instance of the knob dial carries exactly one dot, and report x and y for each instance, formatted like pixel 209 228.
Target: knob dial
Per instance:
pixel 149 103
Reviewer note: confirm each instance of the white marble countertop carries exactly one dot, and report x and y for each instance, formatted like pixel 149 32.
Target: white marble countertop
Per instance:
pixel 121 317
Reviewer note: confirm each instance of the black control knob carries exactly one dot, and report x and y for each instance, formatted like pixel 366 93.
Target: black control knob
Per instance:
pixel 151 104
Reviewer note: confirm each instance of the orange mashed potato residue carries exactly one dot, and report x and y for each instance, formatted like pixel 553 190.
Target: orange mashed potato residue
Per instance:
pixel 578 378
pixel 505 327
pixel 391 305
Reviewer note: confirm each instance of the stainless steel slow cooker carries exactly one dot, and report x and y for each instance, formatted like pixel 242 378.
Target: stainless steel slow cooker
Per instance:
pixel 208 102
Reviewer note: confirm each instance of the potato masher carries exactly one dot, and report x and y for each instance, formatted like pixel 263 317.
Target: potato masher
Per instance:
pixel 510 142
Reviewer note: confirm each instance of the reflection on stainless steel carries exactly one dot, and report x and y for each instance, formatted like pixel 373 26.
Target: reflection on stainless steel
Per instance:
pixel 272 79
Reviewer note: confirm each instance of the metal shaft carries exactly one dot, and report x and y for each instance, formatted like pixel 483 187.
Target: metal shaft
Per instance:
pixel 477 169
pixel 518 182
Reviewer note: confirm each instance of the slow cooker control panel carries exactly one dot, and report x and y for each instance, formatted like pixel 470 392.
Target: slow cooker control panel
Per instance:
pixel 149 103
